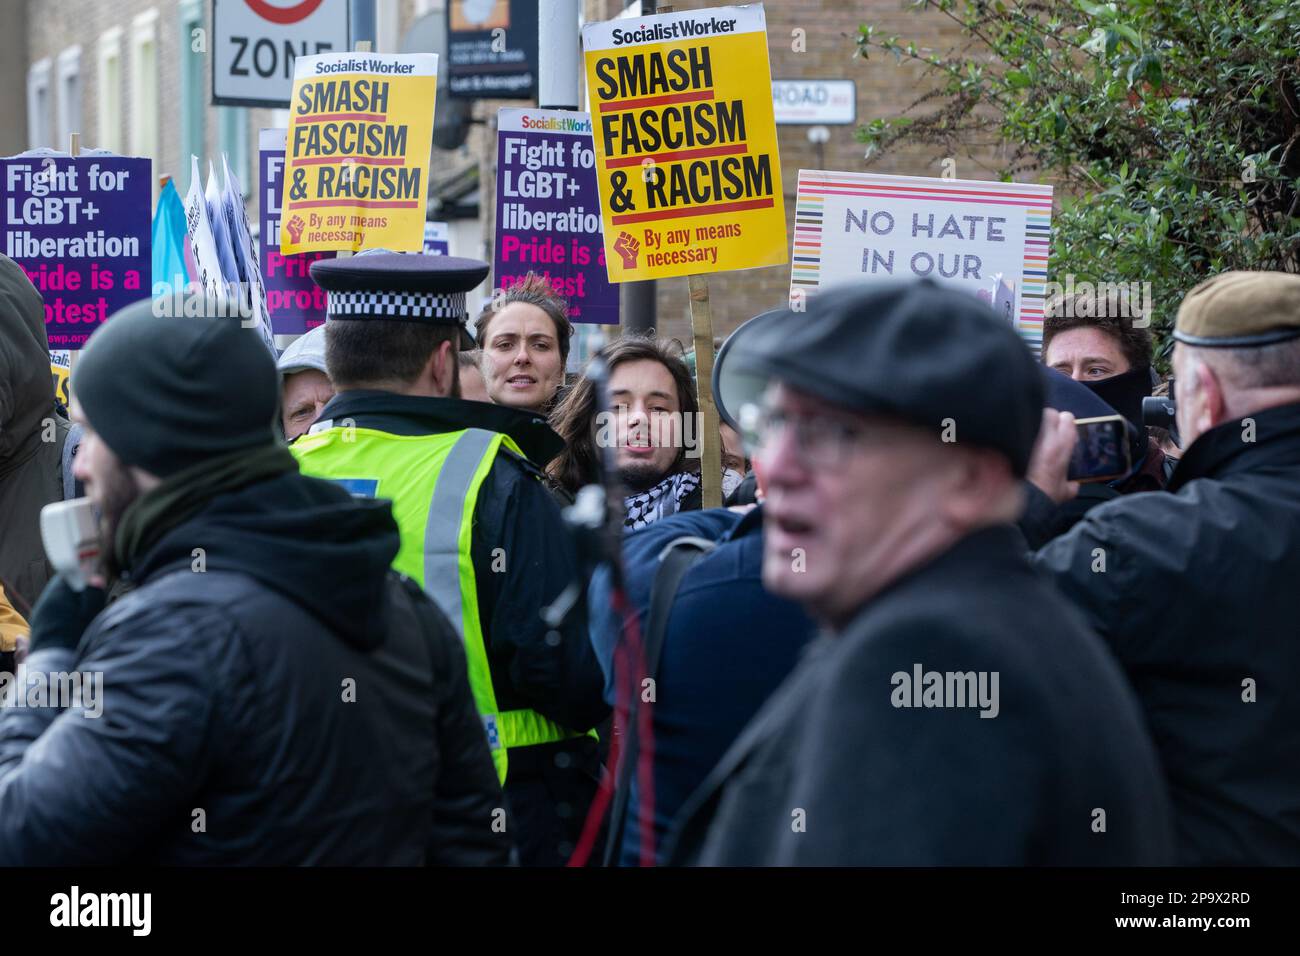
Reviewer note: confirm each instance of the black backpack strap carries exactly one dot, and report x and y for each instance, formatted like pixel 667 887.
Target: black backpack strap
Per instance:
pixel 674 561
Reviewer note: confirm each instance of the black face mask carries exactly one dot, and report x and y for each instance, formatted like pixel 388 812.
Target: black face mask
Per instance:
pixel 1124 393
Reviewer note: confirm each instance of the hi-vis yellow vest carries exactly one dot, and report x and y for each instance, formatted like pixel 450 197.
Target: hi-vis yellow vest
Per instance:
pixel 433 482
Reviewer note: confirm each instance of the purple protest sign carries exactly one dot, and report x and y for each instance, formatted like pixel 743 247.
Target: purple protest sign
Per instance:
pixel 295 302
pixel 548 210
pixel 437 239
pixel 80 228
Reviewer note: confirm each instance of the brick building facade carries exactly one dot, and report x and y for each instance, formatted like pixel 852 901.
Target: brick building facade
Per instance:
pixel 141 89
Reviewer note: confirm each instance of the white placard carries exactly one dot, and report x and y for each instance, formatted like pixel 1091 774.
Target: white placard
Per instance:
pixel 814 102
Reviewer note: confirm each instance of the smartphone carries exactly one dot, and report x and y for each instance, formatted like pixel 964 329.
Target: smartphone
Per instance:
pixel 1101 452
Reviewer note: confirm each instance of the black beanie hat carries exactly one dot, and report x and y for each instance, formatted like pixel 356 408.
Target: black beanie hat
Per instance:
pixel 166 393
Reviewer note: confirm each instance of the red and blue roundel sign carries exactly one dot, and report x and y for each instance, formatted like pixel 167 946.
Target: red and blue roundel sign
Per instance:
pixel 284 12
pixel 255 44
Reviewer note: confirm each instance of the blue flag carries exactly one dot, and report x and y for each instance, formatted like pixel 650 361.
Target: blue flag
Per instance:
pixel 170 239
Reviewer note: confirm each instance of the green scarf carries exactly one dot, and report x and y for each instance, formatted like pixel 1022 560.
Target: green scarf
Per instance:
pixel 182 495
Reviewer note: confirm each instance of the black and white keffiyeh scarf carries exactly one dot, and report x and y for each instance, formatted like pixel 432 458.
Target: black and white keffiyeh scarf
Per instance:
pixel 662 500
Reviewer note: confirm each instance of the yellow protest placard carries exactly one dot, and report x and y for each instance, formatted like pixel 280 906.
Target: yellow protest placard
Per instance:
pixel 686 157
pixel 61 373
pixel 357 152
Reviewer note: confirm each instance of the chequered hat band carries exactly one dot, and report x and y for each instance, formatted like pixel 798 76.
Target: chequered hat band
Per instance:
pixel 400 305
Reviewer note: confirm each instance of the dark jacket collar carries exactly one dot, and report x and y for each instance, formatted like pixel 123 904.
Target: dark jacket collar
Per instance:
pixel 417 415
pixel 1222 450
pixel 750 523
pixel 988 554
pixel 301 537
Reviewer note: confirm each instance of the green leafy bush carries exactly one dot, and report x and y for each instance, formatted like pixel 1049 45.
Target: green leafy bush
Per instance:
pixel 1170 129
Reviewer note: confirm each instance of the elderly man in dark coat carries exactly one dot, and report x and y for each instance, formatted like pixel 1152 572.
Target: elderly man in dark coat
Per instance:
pixel 957 711
pixel 1195 591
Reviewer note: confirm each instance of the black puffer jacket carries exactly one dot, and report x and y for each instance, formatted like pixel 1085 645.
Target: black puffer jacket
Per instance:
pixel 312 705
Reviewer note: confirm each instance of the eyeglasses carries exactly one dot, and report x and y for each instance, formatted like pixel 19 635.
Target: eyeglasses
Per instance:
pixel 825 441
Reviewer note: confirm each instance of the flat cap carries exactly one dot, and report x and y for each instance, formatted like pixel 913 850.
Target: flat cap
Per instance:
pixel 304 352
pixel 1236 309
pixel 732 386
pixel 913 350
pixel 401 287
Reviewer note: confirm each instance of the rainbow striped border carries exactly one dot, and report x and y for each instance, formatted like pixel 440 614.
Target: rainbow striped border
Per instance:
pixel 815 185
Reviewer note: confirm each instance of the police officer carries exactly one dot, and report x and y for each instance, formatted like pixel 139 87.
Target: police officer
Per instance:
pixel 479 529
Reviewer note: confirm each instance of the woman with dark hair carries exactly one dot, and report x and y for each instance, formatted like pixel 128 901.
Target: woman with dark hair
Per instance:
pixel 523 337
pixel 653 428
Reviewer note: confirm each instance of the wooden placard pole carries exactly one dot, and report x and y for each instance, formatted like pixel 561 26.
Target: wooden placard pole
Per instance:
pixel 710 439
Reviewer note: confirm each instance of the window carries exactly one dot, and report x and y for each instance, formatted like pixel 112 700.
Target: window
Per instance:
pixel 144 86
pixel 69 96
pixel 193 100
pixel 40 130
pixel 109 82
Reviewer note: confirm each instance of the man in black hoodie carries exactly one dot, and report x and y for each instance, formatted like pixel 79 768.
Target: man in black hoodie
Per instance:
pixel 266 692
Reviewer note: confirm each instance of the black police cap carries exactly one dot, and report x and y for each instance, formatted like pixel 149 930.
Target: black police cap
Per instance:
pixel 401 287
